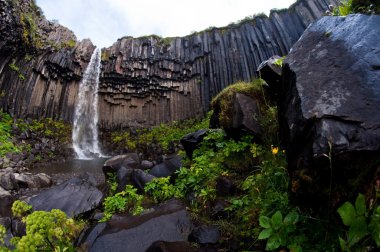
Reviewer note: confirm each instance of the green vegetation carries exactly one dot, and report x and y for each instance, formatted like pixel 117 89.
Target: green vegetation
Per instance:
pixel 70 44
pixel 6 141
pixel 279 61
pixel 45 231
pixel 259 213
pixel 10 130
pixel 126 200
pixel 16 69
pixel 357 6
pixel 364 225
pixel 164 134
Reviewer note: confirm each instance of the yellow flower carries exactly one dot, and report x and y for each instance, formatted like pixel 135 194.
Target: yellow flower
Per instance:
pixel 274 150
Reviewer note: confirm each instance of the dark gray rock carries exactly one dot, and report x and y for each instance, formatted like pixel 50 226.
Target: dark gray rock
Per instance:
pixel 29 180
pixel 224 186
pixel 205 235
pixel 169 222
pixel 163 246
pixel 329 106
pixel 191 141
pixel 140 179
pixel 145 164
pixel 6 201
pixel 8 181
pixel 170 164
pixel 129 161
pixel 75 196
pixel 246 114
pixel 271 73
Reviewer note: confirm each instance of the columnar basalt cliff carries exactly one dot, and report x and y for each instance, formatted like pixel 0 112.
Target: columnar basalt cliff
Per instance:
pixel 41 63
pixel 144 81
pixel 150 80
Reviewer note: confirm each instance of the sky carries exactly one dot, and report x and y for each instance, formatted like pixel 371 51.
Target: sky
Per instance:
pixel 104 21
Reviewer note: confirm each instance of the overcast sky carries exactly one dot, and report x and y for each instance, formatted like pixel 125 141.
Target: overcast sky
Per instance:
pixel 104 21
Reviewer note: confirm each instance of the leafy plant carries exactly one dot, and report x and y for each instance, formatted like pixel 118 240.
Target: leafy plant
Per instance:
pixel 14 67
pixel 279 61
pixel 20 208
pixel 361 223
pixel 45 231
pixel 126 200
pixel 161 189
pixel 277 230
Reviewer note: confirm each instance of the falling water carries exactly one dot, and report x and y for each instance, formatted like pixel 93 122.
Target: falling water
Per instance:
pixel 85 130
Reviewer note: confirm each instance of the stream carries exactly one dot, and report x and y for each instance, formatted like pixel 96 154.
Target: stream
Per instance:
pixel 61 171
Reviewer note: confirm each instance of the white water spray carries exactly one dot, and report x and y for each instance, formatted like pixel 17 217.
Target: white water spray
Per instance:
pixel 85 128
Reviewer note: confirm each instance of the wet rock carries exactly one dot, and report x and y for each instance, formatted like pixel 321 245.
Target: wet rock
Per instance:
pixel 6 201
pixel 191 141
pixel 205 235
pixel 270 71
pixel 169 222
pixel 329 107
pixel 170 164
pixel 129 161
pixel 163 246
pixel 29 180
pixel 74 197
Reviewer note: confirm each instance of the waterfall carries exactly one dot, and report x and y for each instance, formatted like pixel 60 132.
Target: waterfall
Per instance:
pixel 85 126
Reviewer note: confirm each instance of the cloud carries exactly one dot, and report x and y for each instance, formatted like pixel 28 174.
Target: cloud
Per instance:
pixel 104 21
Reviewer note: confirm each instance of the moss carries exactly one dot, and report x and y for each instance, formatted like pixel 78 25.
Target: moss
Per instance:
pixel 223 102
pixel 105 55
pixel 70 44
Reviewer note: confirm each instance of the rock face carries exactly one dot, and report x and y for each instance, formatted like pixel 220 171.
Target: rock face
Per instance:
pixel 144 81
pixel 74 197
pixel 41 63
pixel 169 222
pixel 329 106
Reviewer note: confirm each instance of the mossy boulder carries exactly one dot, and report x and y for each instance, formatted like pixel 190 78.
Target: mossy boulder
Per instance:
pixel 239 109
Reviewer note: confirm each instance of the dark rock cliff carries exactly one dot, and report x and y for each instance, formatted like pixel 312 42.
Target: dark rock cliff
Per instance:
pixel 41 63
pixel 144 81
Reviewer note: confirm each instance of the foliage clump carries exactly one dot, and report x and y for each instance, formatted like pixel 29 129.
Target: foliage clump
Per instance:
pixel 166 135
pixel 45 231
pixel 347 7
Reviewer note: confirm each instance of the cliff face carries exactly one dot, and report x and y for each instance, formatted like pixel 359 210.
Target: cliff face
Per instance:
pixel 41 63
pixel 144 81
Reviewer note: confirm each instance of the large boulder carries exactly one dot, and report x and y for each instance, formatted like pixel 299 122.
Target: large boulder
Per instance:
pixel 74 197
pixel 329 108
pixel 237 110
pixel 169 222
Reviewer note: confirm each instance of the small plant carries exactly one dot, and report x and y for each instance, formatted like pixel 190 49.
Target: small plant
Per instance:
pixel 279 61
pixel 361 224
pixel 45 231
pixel 161 189
pixel 278 230
pixel 14 67
pixel 126 200
pixel 20 208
